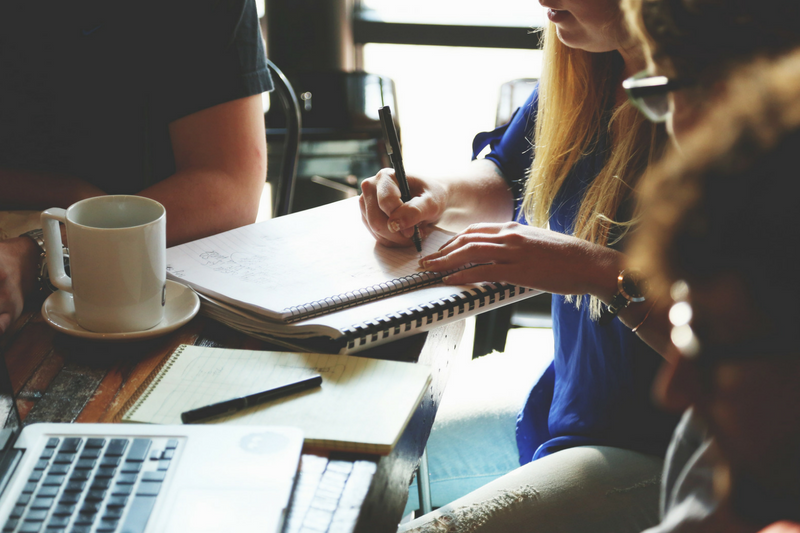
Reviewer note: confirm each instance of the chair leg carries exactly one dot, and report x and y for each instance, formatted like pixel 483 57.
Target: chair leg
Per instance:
pixel 424 483
pixel 491 330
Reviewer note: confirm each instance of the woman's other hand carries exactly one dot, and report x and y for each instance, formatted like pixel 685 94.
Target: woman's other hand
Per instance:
pixel 531 257
pixel 390 220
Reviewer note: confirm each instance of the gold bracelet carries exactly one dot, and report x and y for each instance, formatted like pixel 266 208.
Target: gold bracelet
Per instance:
pixel 634 330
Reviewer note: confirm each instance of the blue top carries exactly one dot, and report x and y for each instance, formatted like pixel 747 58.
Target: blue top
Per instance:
pixel 597 390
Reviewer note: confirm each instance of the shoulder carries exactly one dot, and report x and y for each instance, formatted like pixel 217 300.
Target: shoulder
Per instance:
pixel 782 527
pixel 215 20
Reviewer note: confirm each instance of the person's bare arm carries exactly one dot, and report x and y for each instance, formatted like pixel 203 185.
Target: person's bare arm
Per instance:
pixel 18 259
pixel 220 158
pixel 23 189
pixel 652 319
pixel 782 527
pixel 481 194
pixel 20 189
pixel 221 167
pixel 549 261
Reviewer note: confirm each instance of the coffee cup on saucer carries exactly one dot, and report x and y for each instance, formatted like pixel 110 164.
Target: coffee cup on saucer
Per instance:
pixel 117 261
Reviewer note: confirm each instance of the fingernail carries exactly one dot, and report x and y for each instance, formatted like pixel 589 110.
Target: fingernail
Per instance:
pixel 394 227
pixel 425 262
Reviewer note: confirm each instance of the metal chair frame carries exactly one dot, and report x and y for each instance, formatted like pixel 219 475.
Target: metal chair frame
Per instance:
pixel 284 188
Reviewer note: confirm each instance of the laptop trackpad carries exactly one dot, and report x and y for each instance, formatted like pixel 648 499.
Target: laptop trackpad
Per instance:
pixel 208 510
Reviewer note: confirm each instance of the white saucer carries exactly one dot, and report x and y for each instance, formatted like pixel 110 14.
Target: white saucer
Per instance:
pixel 182 305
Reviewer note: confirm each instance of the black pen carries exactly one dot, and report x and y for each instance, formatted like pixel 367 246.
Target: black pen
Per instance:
pixel 393 149
pixel 237 404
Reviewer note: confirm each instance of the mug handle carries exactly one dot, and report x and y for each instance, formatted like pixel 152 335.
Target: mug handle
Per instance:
pixel 55 254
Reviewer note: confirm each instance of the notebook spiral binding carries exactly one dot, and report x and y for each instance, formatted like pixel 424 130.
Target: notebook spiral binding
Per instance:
pixel 368 294
pixel 138 397
pixel 455 304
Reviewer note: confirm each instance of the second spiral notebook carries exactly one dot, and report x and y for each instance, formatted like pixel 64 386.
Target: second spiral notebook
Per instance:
pixel 317 280
pixel 363 405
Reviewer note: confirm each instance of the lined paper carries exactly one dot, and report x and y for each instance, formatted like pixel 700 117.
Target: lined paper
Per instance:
pixel 363 404
pixel 290 261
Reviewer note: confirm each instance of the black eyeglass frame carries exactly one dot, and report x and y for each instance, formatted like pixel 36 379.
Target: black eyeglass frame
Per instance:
pixel 642 85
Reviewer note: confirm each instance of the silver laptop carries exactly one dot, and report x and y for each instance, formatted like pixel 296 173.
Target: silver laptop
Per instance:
pixel 131 478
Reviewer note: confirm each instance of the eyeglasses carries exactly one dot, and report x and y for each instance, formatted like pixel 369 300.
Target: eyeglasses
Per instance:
pixel 650 94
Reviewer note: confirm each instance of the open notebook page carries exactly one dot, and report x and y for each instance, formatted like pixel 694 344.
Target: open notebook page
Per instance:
pixel 363 404
pixel 294 260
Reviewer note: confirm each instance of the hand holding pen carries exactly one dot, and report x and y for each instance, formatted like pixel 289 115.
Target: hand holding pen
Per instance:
pixel 393 150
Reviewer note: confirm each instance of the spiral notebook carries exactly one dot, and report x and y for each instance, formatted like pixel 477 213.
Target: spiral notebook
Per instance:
pixel 318 280
pixel 363 404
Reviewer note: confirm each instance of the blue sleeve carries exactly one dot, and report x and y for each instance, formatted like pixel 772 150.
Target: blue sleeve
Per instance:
pixel 511 145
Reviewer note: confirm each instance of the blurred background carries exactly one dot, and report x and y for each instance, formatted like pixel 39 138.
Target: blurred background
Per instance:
pixel 440 65
pixel 449 69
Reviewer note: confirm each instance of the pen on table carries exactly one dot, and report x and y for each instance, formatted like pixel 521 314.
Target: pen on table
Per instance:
pixel 237 404
pixel 393 149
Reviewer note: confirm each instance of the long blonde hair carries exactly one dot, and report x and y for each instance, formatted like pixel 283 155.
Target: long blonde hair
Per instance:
pixel 576 95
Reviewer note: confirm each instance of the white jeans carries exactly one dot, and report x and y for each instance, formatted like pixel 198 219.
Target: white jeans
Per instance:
pixel 587 489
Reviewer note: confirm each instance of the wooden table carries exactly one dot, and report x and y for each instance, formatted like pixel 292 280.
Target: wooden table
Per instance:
pixel 57 378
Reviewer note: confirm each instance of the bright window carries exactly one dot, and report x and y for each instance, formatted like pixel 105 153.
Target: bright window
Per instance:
pixel 445 95
pixel 459 12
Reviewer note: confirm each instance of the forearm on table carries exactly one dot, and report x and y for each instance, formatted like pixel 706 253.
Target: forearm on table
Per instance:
pixel 24 189
pixel 221 168
pixel 202 202
pixel 477 194
pixel 24 253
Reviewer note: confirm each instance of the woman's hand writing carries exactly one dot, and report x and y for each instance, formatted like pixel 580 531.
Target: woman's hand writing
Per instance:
pixel 476 192
pixel 390 220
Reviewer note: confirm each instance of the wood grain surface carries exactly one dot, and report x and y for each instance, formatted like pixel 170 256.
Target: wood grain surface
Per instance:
pixel 57 378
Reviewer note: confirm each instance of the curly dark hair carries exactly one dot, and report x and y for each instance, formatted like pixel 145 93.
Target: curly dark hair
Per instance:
pixel 702 39
pixel 730 202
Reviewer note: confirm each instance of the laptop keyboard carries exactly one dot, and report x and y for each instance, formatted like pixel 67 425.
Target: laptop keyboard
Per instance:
pixel 328 495
pixel 88 485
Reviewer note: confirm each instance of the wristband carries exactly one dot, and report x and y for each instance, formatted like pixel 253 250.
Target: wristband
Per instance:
pixel 42 274
pixel 632 287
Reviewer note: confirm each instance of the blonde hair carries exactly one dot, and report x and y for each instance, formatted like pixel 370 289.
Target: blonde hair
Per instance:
pixel 576 103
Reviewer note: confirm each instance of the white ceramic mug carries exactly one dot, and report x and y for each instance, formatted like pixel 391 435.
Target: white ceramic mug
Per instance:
pixel 117 260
